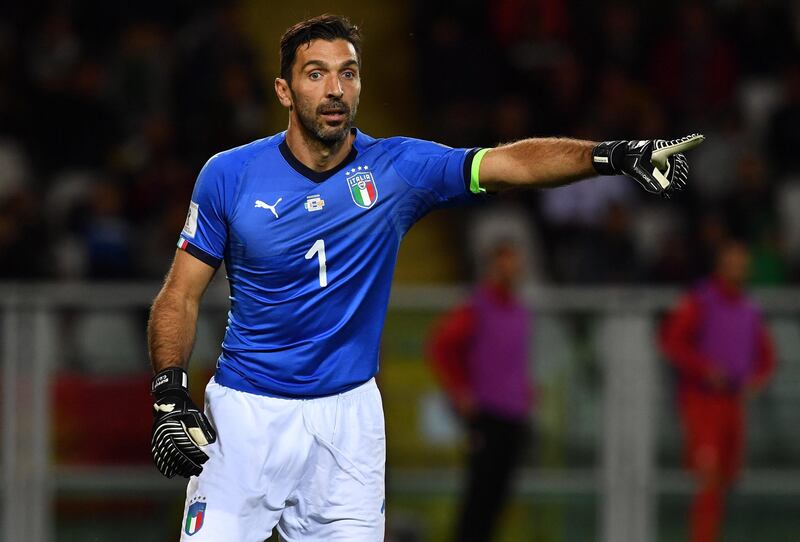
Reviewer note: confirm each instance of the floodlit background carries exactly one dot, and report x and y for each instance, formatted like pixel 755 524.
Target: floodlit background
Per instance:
pixel 109 109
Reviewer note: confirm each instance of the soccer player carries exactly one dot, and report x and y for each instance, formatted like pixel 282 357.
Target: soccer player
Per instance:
pixel 479 354
pixel 308 222
pixel 722 352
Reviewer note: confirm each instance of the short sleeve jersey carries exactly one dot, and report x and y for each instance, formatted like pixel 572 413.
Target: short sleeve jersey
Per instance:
pixel 310 256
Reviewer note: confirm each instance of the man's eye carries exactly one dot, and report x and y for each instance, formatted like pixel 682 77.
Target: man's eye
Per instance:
pixel 349 75
pixel 314 75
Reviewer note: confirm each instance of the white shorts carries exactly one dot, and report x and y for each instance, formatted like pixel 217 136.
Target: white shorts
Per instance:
pixel 313 468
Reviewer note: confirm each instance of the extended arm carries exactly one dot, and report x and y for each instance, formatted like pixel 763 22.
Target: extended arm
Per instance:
pixel 657 165
pixel 539 162
pixel 180 428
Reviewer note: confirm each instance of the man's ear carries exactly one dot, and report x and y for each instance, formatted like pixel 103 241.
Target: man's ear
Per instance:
pixel 283 92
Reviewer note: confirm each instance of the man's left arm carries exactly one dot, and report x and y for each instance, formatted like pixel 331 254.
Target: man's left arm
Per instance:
pixel 765 362
pixel 447 352
pixel 657 165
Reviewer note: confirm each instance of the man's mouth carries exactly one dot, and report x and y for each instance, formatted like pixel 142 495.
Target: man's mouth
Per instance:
pixel 334 114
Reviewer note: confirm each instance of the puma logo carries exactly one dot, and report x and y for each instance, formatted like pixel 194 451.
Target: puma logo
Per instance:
pixel 261 205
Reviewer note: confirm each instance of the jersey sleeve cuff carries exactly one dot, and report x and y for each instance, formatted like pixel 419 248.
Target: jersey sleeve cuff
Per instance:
pixel 199 253
pixel 472 165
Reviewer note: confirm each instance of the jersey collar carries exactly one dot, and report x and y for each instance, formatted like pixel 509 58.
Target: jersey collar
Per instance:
pixel 310 174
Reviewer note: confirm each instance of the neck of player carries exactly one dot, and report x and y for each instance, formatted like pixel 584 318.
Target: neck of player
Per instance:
pixel 313 153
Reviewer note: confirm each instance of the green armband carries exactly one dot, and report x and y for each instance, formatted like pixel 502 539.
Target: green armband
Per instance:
pixel 474 181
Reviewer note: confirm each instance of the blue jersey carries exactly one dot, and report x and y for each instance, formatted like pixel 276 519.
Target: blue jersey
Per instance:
pixel 310 256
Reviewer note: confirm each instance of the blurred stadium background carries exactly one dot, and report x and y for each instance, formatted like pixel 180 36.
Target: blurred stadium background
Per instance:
pixel 109 109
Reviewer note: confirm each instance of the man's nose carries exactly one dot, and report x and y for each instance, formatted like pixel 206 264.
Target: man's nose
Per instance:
pixel 335 88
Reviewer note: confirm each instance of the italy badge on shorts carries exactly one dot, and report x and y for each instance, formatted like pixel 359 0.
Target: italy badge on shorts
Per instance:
pixel 194 517
pixel 362 186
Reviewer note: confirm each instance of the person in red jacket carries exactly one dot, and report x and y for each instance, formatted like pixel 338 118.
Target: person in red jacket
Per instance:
pixel 722 352
pixel 479 353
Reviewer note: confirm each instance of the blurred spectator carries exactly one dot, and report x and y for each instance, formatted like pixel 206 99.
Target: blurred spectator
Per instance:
pixel 623 105
pixel 710 234
pixel 479 353
pixel 55 50
pixel 789 215
pixel 140 73
pixel 714 165
pixel 620 38
pixel 215 76
pixel 750 207
pixel 574 219
pixel 613 258
pixel 14 167
pixel 144 93
pixel 718 343
pixel 694 69
pixel 532 32
pixel 783 137
pixel 674 264
pixel 506 218
pixel 770 267
pixel 764 37
pixel 654 226
pixel 107 235
pixel 12 79
pixel 22 236
pixel 612 70
pixel 587 203
pixel 74 125
pixel 512 21
pixel 566 101
pixel 66 203
pixel 447 42
pixel 510 119
pixel 88 92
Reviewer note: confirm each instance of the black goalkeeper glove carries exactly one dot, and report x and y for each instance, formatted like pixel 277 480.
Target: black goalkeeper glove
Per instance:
pixel 656 164
pixel 179 427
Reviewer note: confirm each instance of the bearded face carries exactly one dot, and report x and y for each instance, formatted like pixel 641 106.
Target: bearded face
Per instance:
pixel 324 88
pixel 329 122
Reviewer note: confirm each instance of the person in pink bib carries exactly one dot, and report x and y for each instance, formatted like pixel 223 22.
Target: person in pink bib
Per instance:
pixel 721 350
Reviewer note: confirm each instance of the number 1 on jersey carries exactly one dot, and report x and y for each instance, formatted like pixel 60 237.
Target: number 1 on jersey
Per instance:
pixel 318 248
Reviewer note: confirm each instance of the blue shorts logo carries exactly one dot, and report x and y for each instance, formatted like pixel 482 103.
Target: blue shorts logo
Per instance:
pixel 194 517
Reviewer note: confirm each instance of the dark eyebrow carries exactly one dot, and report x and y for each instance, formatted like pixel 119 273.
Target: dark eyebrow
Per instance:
pixel 324 65
pixel 319 63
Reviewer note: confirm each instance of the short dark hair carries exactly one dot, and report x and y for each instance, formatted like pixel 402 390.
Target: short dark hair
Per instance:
pixel 323 27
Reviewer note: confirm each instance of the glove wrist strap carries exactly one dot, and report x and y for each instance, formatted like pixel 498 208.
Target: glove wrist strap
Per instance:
pixel 171 378
pixel 604 159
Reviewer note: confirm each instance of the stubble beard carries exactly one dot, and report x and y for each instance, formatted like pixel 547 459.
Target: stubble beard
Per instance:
pixel 314 125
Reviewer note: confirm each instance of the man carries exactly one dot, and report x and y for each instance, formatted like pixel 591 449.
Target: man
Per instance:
pixel 479 353
pixel 309 222
pixel 721 350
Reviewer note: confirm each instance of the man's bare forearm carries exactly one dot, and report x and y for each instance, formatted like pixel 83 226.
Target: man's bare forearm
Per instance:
pixel 537 163
pixel 171 329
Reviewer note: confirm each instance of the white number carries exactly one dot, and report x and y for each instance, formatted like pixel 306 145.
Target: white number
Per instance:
pixel 318 248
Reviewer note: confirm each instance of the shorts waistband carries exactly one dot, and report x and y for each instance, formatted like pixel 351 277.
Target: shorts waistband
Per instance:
pixel 236 385
pixel 367 386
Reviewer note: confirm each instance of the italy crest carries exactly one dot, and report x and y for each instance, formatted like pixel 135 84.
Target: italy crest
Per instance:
pixel 194 517
pixel 362 186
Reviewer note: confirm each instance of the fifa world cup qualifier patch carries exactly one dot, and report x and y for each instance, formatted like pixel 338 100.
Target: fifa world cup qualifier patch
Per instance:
pixel 190 226
pixel 195 516
pixel 362 186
